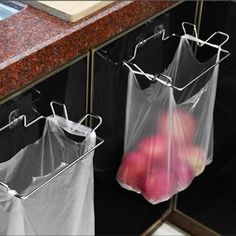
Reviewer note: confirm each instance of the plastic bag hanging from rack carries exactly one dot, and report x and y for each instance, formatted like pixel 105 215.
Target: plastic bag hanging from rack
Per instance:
pixel 167 80
pixel 51 181
pixel 168 135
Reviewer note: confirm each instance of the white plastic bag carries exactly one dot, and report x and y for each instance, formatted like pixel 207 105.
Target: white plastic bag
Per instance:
pixel 169 133
pixel 64 206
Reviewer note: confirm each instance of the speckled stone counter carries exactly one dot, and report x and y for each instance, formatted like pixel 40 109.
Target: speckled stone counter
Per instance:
pixel 34 43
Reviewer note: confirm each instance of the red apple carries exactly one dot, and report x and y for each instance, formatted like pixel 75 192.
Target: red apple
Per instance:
pixel 158 186
pixel 156 147
pixel 184 173
pixel 132 168
pixel 181 126
pixel 195 156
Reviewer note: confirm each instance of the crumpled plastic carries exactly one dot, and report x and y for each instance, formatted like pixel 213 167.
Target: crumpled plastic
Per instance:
pixel 65 205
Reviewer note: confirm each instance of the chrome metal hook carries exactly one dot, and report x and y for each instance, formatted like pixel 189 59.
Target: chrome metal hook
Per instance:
pixel 194 29
pixel 61 104
pixel 94 116
pixel 203 42
pixel 23 117
pixel 218 32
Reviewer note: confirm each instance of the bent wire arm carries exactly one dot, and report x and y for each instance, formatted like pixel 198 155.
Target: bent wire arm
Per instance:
pixel 22 117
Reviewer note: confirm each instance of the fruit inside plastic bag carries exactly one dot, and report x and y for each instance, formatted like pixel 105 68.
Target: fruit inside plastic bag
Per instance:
pixel 169 135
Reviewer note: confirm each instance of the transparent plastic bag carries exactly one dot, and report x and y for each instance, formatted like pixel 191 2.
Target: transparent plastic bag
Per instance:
pixel 64 206
pixel 169 133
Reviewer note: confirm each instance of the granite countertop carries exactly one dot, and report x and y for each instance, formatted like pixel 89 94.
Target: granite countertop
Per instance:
pixel 34 43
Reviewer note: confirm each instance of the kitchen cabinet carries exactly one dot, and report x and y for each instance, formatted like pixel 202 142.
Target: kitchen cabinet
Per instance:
pixel 93 84
pixel 210 199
